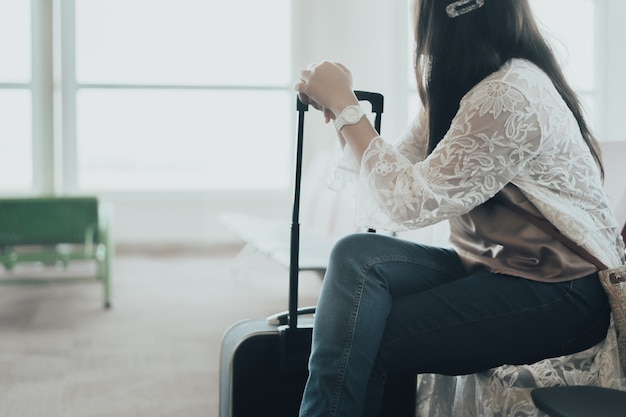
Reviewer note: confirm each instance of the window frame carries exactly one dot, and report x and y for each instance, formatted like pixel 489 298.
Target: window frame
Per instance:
pixel 40 87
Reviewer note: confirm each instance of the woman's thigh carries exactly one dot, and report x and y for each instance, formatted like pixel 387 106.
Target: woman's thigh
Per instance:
pixel 402 267
pixel 486 320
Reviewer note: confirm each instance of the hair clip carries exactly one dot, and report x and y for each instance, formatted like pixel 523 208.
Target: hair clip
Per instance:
pixel 463 6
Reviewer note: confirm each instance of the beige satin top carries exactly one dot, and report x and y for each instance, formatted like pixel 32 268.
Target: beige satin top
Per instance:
pixel 491 237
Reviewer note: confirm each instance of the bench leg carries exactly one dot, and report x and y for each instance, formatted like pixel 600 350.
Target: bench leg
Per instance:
pixel 104 274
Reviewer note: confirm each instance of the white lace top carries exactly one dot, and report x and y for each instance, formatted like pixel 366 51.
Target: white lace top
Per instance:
pixel 512 127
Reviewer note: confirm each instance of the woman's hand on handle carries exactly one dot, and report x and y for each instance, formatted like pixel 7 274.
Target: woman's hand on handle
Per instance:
pixel 327 87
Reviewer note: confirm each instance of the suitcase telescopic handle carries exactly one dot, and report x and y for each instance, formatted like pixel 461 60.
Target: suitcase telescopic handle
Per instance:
pixel 376 100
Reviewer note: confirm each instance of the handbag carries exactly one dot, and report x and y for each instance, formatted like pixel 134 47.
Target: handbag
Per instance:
pixel 613 280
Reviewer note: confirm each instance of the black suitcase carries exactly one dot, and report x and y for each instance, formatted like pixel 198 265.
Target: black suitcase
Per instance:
pixel 263 366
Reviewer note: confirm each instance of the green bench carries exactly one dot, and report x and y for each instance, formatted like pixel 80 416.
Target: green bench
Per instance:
pixel 53 230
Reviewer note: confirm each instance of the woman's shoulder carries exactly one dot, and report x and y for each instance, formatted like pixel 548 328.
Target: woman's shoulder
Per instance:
pixel 517 76
pixel 521 73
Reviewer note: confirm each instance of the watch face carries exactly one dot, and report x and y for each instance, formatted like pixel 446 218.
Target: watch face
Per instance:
pixel 352 115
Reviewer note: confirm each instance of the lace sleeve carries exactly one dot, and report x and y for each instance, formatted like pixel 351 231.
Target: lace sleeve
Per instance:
pixel 493 136
pixel 411 144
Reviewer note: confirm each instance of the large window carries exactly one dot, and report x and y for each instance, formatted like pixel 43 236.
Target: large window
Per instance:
pixel 182 94
pixel 16 145
pixel 148 95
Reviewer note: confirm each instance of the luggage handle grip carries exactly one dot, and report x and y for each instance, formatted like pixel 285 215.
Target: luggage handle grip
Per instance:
pixel 375 99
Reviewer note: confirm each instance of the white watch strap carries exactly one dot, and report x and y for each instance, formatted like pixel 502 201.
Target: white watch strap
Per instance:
pixel 349 116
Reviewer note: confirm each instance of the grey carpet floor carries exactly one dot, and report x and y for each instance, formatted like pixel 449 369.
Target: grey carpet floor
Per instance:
pixel 155 353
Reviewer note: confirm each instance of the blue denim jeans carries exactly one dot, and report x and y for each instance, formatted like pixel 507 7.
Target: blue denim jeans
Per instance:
pixel 393 306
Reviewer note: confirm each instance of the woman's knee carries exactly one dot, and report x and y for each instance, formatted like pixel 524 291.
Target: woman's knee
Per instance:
pixel 356 246
pixel 353 256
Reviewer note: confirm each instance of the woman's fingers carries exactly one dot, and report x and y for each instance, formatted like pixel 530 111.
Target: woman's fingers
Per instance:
pixel 306 99
pixel 343 67
pixel 305 75
pixel 328 116
pixel 326 86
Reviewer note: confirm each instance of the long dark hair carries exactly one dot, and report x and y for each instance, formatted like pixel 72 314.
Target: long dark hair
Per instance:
pixel 454 54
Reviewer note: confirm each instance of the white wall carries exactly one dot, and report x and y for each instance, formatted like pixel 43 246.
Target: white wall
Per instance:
pixel 615 88
pixel 362 35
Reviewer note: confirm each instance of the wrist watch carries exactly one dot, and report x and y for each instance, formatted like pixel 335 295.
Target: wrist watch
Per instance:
pixel 349 116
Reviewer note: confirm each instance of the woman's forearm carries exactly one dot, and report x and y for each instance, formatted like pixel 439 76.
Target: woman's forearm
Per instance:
pixel 358 136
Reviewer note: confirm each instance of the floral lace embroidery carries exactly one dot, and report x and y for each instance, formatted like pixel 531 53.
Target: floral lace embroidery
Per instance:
pixel 498 97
